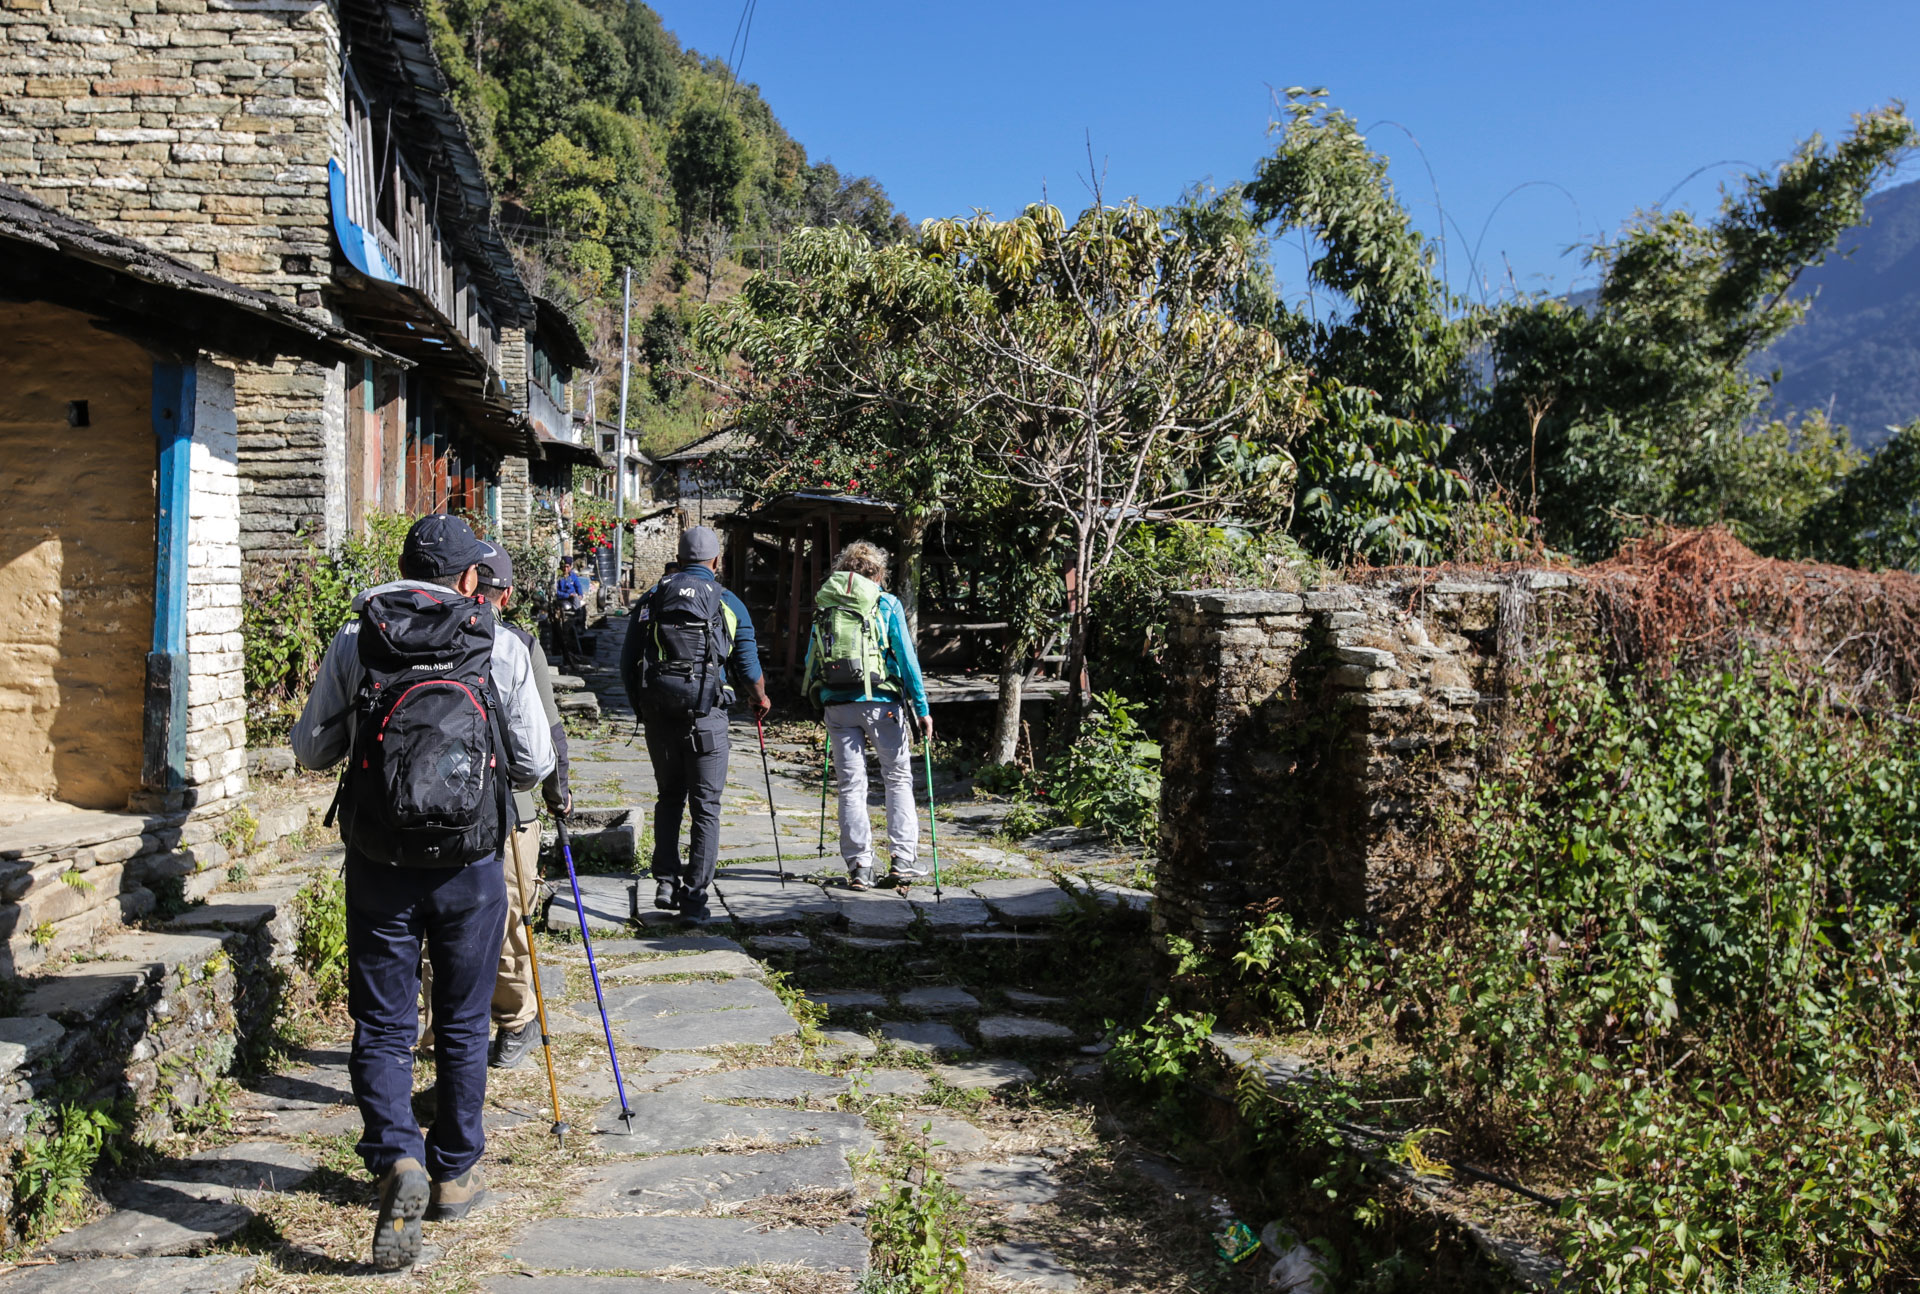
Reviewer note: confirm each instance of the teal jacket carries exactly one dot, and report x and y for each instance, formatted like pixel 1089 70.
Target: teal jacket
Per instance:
pixel 903 666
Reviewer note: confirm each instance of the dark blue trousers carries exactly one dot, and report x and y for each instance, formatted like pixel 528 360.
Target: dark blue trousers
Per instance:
pixel 462 914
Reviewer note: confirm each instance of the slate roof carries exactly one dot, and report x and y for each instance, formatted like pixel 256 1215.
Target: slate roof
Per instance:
pixel 112 274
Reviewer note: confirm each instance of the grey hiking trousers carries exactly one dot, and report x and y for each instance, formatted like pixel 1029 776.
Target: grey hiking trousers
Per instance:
pixel 851 727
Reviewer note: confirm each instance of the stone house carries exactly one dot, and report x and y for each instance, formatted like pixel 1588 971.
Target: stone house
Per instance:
pixel 122 735
pixel 539 367
pixel 308 149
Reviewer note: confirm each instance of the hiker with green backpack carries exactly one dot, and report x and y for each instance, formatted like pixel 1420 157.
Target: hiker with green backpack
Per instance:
pixel 863 672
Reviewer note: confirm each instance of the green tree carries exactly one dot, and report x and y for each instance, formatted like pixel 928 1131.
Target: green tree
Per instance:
pixel 1873 518
pixel 1637 408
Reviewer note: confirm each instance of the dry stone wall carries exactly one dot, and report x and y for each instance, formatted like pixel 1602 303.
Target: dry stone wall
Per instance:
pixel 203 128
pixel 1312 737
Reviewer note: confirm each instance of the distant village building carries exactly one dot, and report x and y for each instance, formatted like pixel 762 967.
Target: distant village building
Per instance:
pixel 307 148
pixel 120 564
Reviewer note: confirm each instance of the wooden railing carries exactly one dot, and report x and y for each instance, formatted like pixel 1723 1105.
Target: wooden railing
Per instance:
pixel 385 198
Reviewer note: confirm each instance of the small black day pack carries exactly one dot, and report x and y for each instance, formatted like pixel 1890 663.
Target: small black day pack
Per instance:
pixel 686 635
pixel 424 786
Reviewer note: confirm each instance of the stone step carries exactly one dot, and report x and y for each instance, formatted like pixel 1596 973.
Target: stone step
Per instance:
pixel 134 1276
pixel 689 1183
pixel 687 1243
pixel 186 1205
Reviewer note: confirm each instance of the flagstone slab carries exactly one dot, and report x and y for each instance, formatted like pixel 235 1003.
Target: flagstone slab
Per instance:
pixel 607 902
pixel 849 1000
pixel 675 1120
pixel 983 1074
pixel 896 1082
pixel 1024 902
pixel 924 1036
pixel 642 1243
pixel 953 910
pixel 1030 1263
pixel 136 1276
pixel 939 999
pixel 186 1204
pixel 712 963
pixel 1022 1028
pixel 687 1183
pixel 946 1132
pixel 663 945
pixel 880 912
pixel 523 1283
pixel 766 1083
pixel 697 1015
pixel 1020 1179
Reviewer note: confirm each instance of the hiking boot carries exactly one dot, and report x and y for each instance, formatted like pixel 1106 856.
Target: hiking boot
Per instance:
pixel 396 1233
pixel 510 1046
pixel 900 879
pixel 666 895
pixel 455 1199
pixel 860 878
pixel 693 907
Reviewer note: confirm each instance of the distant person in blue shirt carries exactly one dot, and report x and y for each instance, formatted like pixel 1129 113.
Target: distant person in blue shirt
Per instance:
pixel 570 595
pixel 862 670
pixel 683 639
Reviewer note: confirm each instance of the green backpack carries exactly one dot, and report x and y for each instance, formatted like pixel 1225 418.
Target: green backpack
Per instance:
pixel 849 637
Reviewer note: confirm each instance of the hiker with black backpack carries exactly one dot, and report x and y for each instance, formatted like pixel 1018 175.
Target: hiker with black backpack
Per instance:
pixel 864 674
pixel 436 714
pixel 683 636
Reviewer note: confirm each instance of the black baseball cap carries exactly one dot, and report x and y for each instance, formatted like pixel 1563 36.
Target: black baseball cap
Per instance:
pixel 497 572
pixel 439 544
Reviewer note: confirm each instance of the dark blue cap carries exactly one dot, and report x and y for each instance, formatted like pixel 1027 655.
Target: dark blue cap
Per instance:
pixel 439 544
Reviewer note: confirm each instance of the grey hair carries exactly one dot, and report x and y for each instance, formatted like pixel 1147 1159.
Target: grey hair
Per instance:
pixel 863 558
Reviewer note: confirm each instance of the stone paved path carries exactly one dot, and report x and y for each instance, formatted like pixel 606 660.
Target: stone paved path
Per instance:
pixel 758 1131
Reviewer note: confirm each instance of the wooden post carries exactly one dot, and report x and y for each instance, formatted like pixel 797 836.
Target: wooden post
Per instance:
pixel 164 749
pixel 776 618
pixel 793 600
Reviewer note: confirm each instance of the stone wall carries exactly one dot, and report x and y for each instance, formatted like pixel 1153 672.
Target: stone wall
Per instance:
pixel 152 1024
pixel 203 128
pixel 1311 738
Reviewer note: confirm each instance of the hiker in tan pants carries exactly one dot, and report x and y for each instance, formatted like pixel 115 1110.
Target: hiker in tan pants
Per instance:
pixel 514 1009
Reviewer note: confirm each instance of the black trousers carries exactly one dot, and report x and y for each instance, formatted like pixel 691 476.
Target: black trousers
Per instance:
pixel 690 766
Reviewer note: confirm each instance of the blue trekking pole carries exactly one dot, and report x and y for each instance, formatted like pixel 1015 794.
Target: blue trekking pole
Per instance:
pixel 580 910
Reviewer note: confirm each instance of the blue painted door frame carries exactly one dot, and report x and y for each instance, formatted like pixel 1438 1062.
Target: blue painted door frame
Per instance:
pixel 164 762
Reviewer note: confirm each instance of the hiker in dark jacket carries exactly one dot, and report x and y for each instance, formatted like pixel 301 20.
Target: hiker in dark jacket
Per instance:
pixel 880 703
pixel 683 638
pixel 458 904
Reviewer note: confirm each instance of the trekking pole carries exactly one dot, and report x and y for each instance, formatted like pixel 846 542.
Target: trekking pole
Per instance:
pixel 772 815
pixel 933 819
pixel 560 1128
pixel 826 769
pixel 580 910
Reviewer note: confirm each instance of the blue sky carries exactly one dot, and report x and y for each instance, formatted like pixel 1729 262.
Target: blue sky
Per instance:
pixel 1599 109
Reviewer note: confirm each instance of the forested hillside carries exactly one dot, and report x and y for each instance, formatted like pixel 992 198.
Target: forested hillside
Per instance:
pixel 1857 355
pixel 611 146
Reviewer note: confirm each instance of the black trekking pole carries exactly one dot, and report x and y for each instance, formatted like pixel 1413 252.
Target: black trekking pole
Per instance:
pixel 772 814
pixel 580 910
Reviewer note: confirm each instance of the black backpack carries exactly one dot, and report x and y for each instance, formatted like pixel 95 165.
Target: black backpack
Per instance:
pixel 423 785
pixel 686 635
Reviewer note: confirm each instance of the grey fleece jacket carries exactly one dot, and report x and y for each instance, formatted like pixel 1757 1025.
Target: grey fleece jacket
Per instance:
pixel 324 733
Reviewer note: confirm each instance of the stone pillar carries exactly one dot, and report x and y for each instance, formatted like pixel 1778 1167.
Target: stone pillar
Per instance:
pixel 1311 741
pixel 216 691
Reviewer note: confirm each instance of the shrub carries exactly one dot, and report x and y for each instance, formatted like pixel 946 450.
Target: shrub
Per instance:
pixel 1691 958
pixel 1160 1053
pixel 292 611
pixel 320 941
pixel 1109 779
pixel 918 1240
pixel 52 1165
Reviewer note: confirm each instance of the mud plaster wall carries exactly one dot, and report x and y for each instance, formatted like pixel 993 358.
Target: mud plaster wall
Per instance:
pixel 76 557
